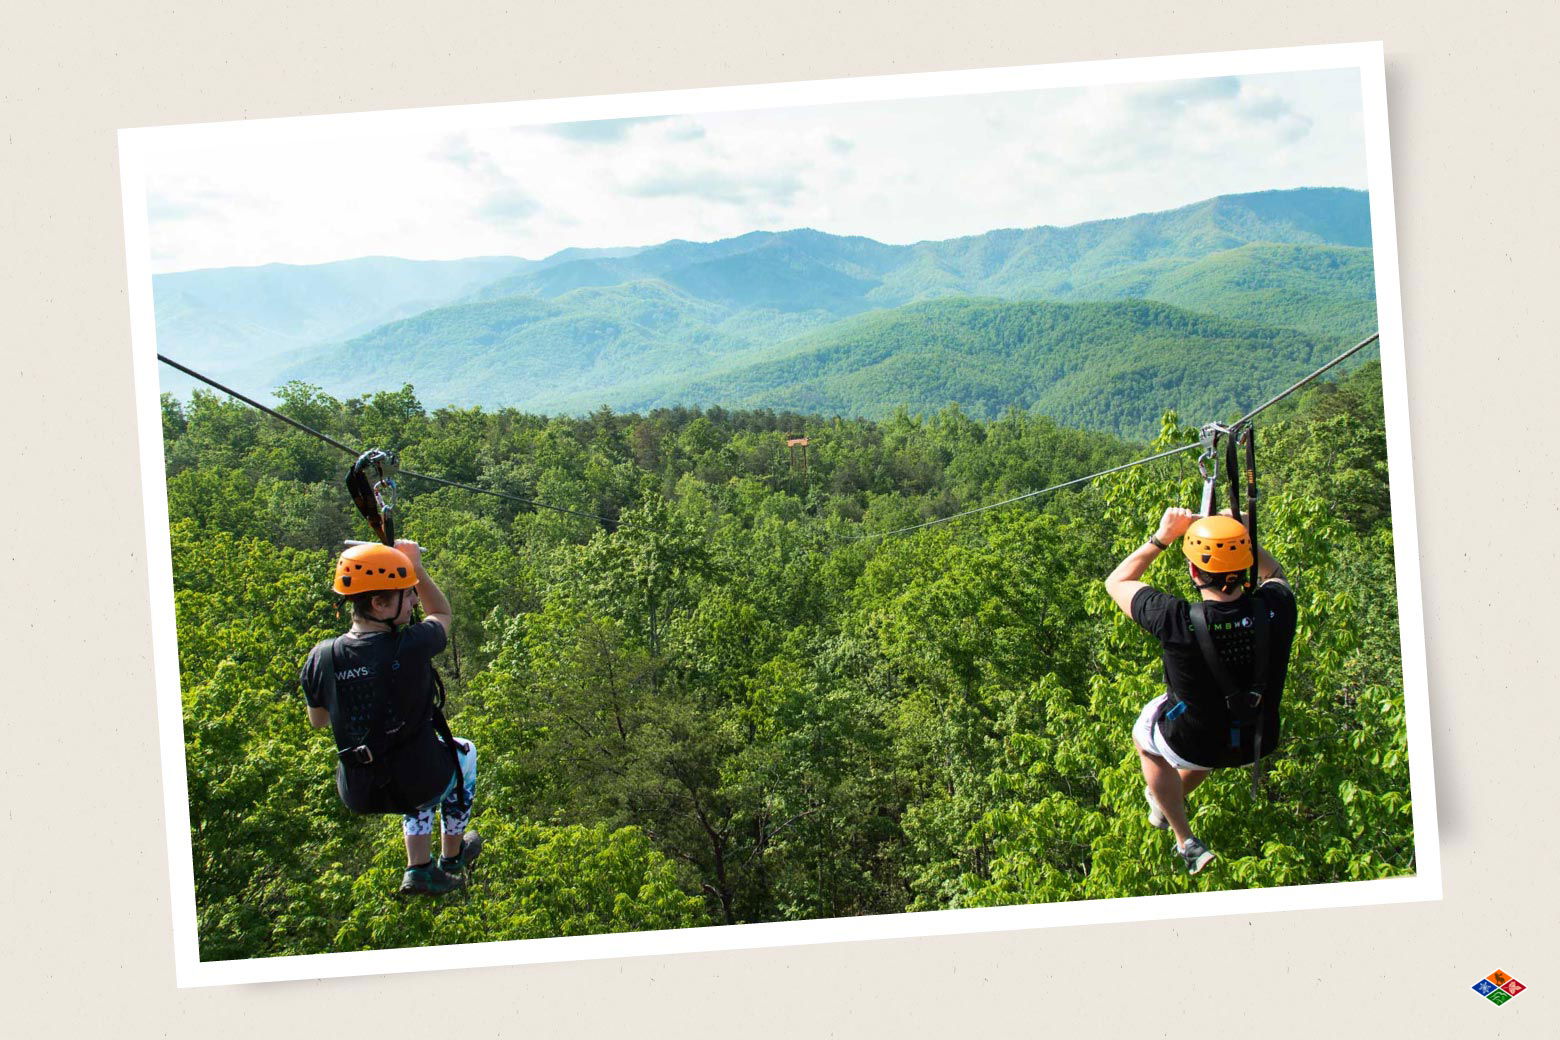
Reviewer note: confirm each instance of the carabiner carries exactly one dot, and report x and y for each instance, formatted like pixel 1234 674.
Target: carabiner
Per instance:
pixel 1208 464
pixel 384 494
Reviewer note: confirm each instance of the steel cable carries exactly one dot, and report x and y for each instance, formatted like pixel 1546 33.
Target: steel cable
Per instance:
pixel 611 524
pixel 1242 421
pixel 1030 494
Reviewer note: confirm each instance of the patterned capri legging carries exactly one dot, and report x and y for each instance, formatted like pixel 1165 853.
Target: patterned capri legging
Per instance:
pixel 421 821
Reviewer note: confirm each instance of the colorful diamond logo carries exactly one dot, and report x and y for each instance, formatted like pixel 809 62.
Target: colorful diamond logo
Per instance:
pixel 1497 987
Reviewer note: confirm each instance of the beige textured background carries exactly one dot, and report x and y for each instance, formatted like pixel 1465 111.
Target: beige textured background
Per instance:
pixel 88 944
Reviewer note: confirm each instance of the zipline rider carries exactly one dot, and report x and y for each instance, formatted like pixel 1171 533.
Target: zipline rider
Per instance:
pixel 376 688
pixel 1221 705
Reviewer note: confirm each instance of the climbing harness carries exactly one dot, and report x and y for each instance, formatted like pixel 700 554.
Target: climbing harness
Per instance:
pixel 389 729
pixel 1244 704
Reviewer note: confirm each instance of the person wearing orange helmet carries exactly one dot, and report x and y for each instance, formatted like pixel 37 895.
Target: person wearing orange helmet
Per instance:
pixel 1225 660
pixel 375 687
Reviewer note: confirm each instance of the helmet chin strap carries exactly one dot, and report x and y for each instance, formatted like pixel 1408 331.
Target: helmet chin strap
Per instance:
pixel 1227 584
pixel 400 601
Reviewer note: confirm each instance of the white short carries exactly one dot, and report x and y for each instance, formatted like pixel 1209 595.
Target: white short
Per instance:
pixel 1147 736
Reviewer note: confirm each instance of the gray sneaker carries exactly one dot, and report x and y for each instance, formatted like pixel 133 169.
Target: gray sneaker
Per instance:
pixel 1196 855
pixel 1156 817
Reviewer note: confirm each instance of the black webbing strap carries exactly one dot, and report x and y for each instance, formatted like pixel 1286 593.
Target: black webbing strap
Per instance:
pixel 1210 652
pixel 441 726
pixel 1259 678
pixel 1244 705
pixel 1249 435
pixel 1232 470
pixel 362 755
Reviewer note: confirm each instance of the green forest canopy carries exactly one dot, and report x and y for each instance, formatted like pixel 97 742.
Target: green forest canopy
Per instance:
pixel 728 711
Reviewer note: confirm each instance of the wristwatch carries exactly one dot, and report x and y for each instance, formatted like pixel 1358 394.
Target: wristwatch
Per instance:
pixel 1154 540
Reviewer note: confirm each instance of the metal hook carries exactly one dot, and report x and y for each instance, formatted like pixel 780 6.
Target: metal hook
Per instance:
pixel 1208 463
pixel 1210 451
pixel 373 475
pixel 384 484
pixel 384 495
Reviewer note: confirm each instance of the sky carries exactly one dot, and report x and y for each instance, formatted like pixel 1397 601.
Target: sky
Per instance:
pixel 898 171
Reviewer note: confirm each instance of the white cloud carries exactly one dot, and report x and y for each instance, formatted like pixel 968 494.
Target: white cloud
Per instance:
pixel 598 131
pixel 507 206
pixel 711 185
pixel 897 171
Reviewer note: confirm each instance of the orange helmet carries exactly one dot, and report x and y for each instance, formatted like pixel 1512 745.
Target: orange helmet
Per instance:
pixel 1218 544
pixel 373 568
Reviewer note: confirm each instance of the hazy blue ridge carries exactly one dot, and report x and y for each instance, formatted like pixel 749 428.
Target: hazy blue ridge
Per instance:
pixel 806 269
pixel 822 323
pixel 242 323
pixel 523 349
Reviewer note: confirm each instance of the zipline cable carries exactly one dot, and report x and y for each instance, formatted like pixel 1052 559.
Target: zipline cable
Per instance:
pixel 1031 494
pixel 251 402
pixel 1244 420
pixel 311 431
pixel 1361 345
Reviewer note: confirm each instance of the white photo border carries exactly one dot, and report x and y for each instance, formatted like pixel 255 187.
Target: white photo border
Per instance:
pixel 1425 885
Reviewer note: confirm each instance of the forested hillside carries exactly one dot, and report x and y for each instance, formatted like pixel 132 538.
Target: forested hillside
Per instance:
pixel 1101 366
pixel 1324 290
pixel 646 327
pixel 724 706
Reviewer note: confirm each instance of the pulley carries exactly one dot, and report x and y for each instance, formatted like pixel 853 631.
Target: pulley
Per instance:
pixel 371 482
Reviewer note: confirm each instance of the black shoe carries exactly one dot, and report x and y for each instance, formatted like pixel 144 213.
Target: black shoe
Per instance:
pixel 470 848
pixel 429 880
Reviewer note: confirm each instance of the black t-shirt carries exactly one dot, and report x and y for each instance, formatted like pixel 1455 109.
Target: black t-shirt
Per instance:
pixel 1200 731
pixel 371 667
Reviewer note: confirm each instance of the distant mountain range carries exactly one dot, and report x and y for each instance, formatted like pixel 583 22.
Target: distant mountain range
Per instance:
pixel 237 319
pixel 1201 308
